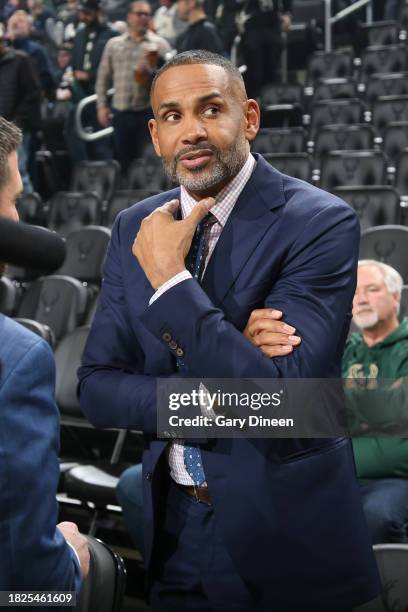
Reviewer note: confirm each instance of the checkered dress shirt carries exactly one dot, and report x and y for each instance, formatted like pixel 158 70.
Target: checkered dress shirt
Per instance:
pixel 224 204
pixel 117 68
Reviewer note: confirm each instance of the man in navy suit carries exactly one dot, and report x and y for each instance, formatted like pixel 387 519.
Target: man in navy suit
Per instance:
pixel 34 554
pixel 230 524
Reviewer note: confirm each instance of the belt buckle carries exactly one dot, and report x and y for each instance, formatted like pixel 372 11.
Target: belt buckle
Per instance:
pixel 196 494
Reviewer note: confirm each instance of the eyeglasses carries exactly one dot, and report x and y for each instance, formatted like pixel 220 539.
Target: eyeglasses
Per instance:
pixel 141 13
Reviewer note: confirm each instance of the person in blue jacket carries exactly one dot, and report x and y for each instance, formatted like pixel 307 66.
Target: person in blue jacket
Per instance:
pixel 231 524
pixel 35 554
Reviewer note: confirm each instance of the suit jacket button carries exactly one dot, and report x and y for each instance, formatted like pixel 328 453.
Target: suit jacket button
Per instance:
pixel 179 352
pixel 166 337
pixel 148 476
pixel 173 344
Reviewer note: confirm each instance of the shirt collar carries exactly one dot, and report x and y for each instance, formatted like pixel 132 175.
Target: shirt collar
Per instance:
pixel 226 199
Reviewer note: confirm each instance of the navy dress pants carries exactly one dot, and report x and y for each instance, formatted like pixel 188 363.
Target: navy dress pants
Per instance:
pixel 193 571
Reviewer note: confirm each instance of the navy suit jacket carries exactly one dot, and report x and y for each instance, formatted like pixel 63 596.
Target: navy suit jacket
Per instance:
pixel 33 553
pixel 289 510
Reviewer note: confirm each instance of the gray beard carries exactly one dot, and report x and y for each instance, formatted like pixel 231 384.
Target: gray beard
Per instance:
pixel 227 165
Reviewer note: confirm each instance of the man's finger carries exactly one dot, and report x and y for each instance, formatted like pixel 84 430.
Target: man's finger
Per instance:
pixel 199 211
pixel 275 339
pixel 265 313
pixel 170 206
pixel 270 325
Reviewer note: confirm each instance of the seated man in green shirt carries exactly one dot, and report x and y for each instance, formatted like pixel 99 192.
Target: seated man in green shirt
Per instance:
pixel 375 366
pixel 375 363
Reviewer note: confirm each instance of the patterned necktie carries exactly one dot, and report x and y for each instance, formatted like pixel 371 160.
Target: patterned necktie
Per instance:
pixel 195 263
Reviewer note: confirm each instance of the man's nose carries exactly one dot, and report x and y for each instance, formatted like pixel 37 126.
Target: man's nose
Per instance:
pixel 360 297
pixel 194 131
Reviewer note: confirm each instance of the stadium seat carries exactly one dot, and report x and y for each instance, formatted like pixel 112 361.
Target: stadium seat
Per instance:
pixel 330 112
pixel 379 33
pixel 341 137
pixel 44 331
pixel 392 562
pixel 336 64
pixel 30 209
pixel 86 250
pixel 395 140
pixel 67 361
pixel 393 84
pixel 298 165
pixel 281 93
pixel 103 589
pixel 281 115
pixel 7 296
pixel 334 89
pixel 98 176
pixel 388 109
pixel 279 140
pixel 403 15
pixel 389 244
pixel 57 301
pixel 123 199
pixel 347 168
pixel 401 180
pixel 404 303
pixel 385 59
pixel 71 210
pixel 376 205
pixel 147 174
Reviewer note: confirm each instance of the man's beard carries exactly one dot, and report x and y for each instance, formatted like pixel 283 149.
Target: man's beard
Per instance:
pixel 227 165
pixel 2 268
pixel 366 320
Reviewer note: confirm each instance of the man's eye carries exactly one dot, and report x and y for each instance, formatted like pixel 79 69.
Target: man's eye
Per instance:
pixel 171 117
pixel 211 111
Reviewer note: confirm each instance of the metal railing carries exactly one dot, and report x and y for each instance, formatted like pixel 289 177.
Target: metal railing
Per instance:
pixel 83 133
pixel 330 20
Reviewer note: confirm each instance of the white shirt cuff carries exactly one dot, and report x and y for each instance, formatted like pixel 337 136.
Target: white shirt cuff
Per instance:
pixel 174 280
pixel 75 553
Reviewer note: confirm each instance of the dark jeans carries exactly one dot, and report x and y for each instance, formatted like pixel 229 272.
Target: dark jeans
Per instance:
pixel 385 503
pixel 131 135
pixel 261 50
pixel 80 150
pixel 130 496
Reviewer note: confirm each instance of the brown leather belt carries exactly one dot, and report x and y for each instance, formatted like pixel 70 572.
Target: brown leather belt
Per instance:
pixel 200 494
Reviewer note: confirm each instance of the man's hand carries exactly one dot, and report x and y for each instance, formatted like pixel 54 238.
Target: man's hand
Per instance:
pixel 162 243
pixel 275 338
pixel 81 75
pixel 104 116
pixel 77 541
pixel 286 23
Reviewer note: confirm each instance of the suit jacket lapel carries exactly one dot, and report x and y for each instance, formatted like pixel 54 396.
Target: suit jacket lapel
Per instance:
pixel 250 219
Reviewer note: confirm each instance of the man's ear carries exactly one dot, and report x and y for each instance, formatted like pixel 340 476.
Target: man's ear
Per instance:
pixel 153 134
pixel 252 118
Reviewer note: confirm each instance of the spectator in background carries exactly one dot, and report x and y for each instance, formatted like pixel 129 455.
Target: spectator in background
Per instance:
pixel 261 23
pixel 88 46
pixel 20 99
pixel 19 33
pixel 36 554
pixel 167 23
pixel 9 8
pixel 128 65
pixel 40 13
pixel 225 18
pixel 200 33
pixel 375 363
pixel 68 14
